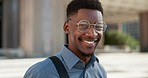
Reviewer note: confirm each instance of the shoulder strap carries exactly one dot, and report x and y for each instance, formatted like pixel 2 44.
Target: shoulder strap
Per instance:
pixel 60 67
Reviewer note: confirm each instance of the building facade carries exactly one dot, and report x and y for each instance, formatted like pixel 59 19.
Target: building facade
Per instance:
pixel 34 28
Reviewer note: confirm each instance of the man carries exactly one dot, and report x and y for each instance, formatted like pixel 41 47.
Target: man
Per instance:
pixel 85 28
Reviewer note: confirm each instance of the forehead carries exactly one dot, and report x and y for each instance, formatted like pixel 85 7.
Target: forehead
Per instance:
pixel 88 14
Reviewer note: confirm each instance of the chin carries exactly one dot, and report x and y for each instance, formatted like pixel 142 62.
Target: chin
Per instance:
pixel 87 54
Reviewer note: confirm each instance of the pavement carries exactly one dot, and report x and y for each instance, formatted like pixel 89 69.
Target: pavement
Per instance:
pixel 125 65
pixel 117 65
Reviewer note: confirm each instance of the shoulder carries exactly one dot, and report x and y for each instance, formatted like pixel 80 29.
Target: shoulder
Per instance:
pixel 40 69
pixel 102 70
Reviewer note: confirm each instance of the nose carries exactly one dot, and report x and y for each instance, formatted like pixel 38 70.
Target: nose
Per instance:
pixel 91 32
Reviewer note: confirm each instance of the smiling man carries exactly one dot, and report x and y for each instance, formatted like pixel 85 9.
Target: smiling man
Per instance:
pixel 85 27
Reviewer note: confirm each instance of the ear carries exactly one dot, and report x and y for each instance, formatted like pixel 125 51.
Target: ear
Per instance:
pixel 66 27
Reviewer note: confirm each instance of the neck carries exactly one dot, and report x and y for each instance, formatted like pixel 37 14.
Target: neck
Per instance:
pixel 86 59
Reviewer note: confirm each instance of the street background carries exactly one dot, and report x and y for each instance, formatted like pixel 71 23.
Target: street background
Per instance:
pixel 117 65
pixel 30 29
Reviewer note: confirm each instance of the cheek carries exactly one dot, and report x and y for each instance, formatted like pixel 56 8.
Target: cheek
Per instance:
pixel 75 34
pixel 100 36
pixel 72 34
pixel 100 33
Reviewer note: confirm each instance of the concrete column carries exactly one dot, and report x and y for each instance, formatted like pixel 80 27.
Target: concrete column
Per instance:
pixel 42 27
pixel 57 19
pixel 10 24
pixel 144 32
pixel 27 26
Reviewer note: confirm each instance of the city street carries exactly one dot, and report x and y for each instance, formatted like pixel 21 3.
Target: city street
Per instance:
pixel 117 65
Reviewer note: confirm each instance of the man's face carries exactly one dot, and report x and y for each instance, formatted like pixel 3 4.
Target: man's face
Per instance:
pixel 83 43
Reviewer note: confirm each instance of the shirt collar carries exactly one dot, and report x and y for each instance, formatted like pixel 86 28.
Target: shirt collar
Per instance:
pixel 71 59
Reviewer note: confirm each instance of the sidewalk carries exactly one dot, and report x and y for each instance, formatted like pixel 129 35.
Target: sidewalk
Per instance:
pixel 117 65
pixel 15 68
pixel 125 65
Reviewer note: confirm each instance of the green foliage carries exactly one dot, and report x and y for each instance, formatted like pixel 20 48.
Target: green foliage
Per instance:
pixel 120 38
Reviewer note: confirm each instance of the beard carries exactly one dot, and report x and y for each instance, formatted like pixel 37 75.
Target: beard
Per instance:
pixel 87 55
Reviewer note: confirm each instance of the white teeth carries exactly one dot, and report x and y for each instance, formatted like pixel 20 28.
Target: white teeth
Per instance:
pixel 89 42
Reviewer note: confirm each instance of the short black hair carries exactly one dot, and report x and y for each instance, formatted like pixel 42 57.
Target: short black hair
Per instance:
pixel 76 5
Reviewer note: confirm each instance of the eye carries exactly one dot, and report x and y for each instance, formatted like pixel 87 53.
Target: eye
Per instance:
pixel 83 25
pixel 99 27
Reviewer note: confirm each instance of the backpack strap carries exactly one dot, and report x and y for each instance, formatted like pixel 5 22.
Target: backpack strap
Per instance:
pixel 59 66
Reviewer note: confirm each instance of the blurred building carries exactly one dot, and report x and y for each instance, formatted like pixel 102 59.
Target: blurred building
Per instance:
pixel 132 28
pixel 33 28
pixel 121 11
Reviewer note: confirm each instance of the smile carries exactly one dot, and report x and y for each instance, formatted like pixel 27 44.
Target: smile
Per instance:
pixel 89 42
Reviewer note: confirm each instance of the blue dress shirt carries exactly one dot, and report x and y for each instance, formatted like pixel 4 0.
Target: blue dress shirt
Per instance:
pixel 75 67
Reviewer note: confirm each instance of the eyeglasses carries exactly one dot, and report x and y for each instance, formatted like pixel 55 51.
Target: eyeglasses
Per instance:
pixel 84 25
